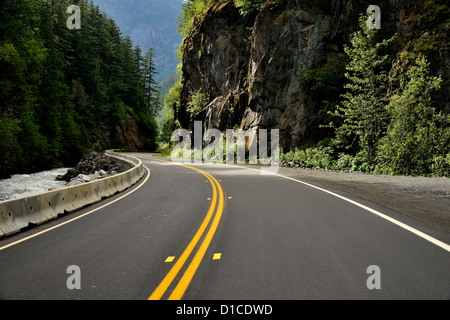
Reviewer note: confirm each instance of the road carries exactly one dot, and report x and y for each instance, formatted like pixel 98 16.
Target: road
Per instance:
pixel 213 232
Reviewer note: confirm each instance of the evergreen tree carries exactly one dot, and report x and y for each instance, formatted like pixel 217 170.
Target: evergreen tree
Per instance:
pixel 64 92
pixel 22 55
pixel 363 110
pixel 151 88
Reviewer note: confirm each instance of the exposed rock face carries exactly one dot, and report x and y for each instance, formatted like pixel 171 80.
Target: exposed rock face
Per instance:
pixel 251 68
pixel 215 59
pixel 283 43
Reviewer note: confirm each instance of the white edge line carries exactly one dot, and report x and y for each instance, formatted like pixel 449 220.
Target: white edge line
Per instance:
pixel 79 217
pixel 425 236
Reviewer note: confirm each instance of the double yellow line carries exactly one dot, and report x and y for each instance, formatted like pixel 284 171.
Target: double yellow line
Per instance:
pixel 218 198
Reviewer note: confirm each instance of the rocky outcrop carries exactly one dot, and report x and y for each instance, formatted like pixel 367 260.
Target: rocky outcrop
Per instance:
pixel 284 42
pixel 252 68
pixel 215 60
pixel 94 166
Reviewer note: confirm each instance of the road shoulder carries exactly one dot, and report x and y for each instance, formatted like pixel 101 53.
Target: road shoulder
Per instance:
pixel 423 198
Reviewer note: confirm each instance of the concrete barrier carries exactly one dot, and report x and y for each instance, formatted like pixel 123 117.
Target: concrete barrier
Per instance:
pixel 20 214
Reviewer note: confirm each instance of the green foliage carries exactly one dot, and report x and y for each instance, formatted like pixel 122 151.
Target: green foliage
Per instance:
pixel 11 151
pixel 64 92
pixel 323 80
pixel 363 109
pixel 418 138
pixel 387 120
pixel 321 157
pixel 435 12
pixel 192 10
pixel 165 150
pixel 167 128
pixel 150 86
pixel 199 100
pixel 172 99
pixel 171 103
pixel 247 7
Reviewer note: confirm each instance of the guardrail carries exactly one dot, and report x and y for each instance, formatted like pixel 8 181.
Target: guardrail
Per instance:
pixel 19 214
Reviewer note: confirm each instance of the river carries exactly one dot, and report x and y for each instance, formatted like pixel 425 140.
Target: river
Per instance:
pixel 24 185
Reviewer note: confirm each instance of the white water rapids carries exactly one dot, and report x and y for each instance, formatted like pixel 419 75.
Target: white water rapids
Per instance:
pixel 24 185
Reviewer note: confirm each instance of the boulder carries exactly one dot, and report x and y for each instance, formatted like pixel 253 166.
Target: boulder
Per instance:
pixel 94 165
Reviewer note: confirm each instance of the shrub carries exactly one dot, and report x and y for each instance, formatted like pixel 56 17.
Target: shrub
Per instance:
pixel 199 100
pixel 247 7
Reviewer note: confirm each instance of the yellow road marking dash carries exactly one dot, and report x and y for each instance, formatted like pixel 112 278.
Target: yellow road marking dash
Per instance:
pixel 170 259
pixel 217 256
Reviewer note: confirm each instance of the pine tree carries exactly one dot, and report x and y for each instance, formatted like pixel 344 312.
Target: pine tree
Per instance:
pixel 63 91
pixel 138 77
pixel 22 55
pixel 151 87
pixel 363 109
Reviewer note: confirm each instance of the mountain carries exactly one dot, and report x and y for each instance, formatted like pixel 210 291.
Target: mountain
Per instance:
pixel 149 23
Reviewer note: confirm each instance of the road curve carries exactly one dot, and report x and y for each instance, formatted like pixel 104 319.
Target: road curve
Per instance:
pixel 210 231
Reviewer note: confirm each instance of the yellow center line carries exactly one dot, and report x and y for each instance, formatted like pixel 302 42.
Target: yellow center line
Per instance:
pixel 179 290
pixel 187 277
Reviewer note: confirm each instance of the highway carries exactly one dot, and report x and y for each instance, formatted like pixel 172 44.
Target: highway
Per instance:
pixel 227 232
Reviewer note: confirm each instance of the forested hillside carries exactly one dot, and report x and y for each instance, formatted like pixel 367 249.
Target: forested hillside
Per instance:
pixel 65 92
pixel 149 23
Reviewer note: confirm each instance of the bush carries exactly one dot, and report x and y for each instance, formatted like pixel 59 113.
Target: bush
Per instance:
pixel 418 138
pixel 359 162
pixel 247 7
pixel 344 162
pixel 441 166
pixel 199 100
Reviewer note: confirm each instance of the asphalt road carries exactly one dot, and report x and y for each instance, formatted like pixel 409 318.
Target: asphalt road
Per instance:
pixel 213 232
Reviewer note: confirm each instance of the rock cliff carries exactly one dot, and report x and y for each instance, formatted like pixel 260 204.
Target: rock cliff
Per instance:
pixel 254 69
